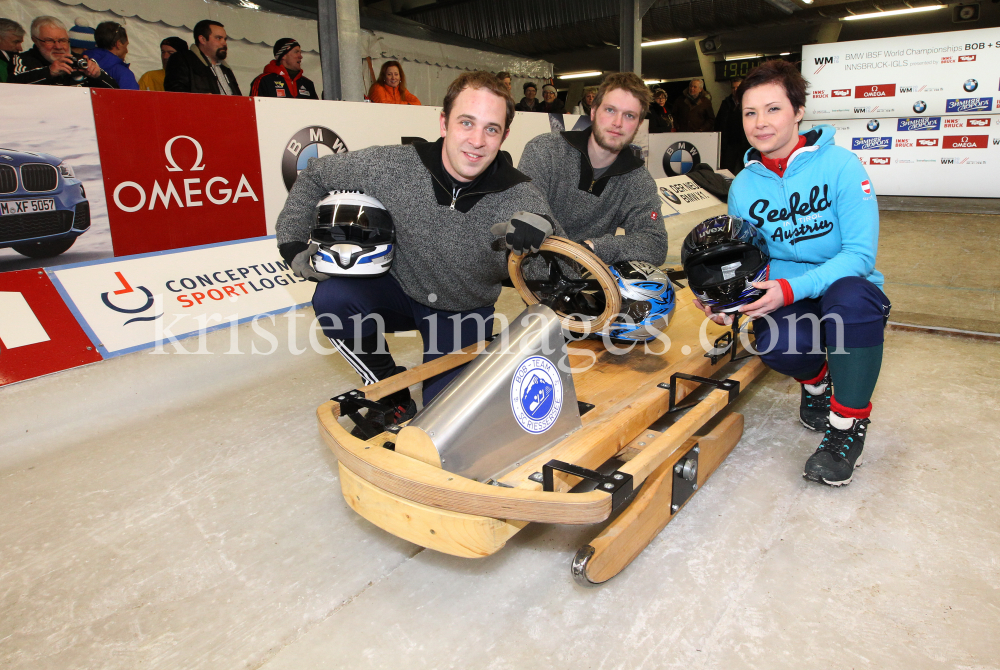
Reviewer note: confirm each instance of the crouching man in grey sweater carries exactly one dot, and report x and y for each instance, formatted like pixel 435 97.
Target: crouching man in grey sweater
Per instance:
pixel 443 197
pixel 595 184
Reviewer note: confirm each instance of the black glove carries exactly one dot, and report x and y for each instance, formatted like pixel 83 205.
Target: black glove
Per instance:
pixel 524 233
pixel 302 265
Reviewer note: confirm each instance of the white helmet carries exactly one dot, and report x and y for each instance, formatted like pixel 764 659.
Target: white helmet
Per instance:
pixel 355 234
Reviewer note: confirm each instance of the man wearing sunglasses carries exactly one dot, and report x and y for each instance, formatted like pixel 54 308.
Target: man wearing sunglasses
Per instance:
pixel 50 62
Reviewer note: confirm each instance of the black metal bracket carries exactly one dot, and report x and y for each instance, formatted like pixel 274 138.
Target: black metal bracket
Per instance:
pixel 730 385
pixel 584 407
pixel 374 422
pixel 727 343
pixel 685 478
pixel 618 484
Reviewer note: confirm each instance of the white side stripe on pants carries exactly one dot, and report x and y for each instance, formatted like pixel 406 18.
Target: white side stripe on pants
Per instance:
pixel 367 376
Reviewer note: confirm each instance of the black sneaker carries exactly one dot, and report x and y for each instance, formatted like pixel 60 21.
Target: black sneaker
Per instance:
pixel 400 413
pixel 838 454
pixel 815 409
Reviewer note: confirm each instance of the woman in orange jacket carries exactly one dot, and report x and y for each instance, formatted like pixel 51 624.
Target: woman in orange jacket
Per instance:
pixel 390 87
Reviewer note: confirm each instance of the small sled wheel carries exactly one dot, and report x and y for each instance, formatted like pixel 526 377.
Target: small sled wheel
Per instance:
pixel 563 294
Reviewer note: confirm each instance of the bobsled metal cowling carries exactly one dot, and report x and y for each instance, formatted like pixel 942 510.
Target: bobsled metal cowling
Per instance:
pixel 514 400
pixel 722 257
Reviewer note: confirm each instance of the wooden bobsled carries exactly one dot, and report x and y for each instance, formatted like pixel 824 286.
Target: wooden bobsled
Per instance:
pixel 637 458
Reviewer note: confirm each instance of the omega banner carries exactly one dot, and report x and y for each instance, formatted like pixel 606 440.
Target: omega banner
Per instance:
pixel 930 75
pixel 952 156
pixel 129 304
pixel 179 170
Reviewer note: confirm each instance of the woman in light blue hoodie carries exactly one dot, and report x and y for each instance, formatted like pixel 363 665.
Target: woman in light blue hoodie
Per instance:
pixel 822 313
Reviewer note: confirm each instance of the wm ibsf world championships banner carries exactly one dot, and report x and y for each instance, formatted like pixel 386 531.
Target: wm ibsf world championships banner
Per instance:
pixel 929 75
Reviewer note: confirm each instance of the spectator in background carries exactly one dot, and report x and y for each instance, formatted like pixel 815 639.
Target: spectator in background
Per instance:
pixel 50 62
pixel 660 120
pixel 112 47
pixel 11 36
pixel 81 38
pixel 529 103
pixel 729 122
pixel 11 39
pixel 203 69
pixel 551 104
pixel 283 76
pixel 153 80
pixel 693 111
pixel 583 108
pixel 504 78
pixel 390 87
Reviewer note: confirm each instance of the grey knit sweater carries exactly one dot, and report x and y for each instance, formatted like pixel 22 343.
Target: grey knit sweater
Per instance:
pixel 625 196
pixel 443 256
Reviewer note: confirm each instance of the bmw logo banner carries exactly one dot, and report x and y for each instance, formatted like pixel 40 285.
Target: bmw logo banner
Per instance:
pixel 675 154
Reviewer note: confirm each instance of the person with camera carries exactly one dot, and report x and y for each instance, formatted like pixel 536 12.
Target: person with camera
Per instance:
pixel 50 62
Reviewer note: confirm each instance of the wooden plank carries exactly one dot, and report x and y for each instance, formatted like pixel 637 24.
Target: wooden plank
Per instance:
pixel 454 533
pixel 428 485
pixel 653 455
pixel 631 531
pixel 421 372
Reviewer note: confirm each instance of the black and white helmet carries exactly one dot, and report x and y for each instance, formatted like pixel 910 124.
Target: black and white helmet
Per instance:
pixel 723 256
pixel 355 234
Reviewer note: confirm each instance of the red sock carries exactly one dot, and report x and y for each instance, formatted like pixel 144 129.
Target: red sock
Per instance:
pixel 850 412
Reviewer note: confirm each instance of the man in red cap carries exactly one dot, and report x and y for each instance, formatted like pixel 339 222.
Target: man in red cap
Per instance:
pixel 282 77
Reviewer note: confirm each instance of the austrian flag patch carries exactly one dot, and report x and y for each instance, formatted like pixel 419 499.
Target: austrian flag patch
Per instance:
pixel 866 186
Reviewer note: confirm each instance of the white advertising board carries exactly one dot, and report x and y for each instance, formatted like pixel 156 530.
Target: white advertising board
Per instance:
pixel 682 195
pixel 673 154
pixel 133 303
pixel 289 135
pixel 930 75
pixel 951 156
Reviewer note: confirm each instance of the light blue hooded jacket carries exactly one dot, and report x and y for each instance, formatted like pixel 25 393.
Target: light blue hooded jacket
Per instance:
pixel 820 218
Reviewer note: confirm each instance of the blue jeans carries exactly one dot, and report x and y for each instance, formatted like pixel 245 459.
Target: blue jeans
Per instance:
pixel 857 303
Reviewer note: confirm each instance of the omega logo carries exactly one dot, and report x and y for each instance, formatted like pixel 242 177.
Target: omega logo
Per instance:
pixel 191 187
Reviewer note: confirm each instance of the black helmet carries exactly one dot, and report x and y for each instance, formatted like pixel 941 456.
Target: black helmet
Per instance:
pixel 721 257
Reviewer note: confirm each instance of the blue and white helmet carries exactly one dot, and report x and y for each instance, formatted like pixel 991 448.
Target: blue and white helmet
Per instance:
pixel 355 233
pixel 647 301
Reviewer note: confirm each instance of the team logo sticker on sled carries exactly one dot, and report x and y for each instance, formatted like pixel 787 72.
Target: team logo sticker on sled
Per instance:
pixel 536 394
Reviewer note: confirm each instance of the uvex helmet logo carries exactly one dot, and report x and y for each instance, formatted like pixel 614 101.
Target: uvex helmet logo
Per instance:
pixel 966 141
pixel 312 142
pixel 131 196
pixel 875 91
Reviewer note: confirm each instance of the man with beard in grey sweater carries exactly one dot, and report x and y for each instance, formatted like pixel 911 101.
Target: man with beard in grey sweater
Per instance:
pixel 444 197
pixel 595 184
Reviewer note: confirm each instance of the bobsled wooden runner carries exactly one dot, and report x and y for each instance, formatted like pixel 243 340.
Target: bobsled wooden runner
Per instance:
pixel 535 430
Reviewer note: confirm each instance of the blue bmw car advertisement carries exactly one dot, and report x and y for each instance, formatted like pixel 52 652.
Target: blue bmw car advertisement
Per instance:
pixel 43 206
pixel 52 204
